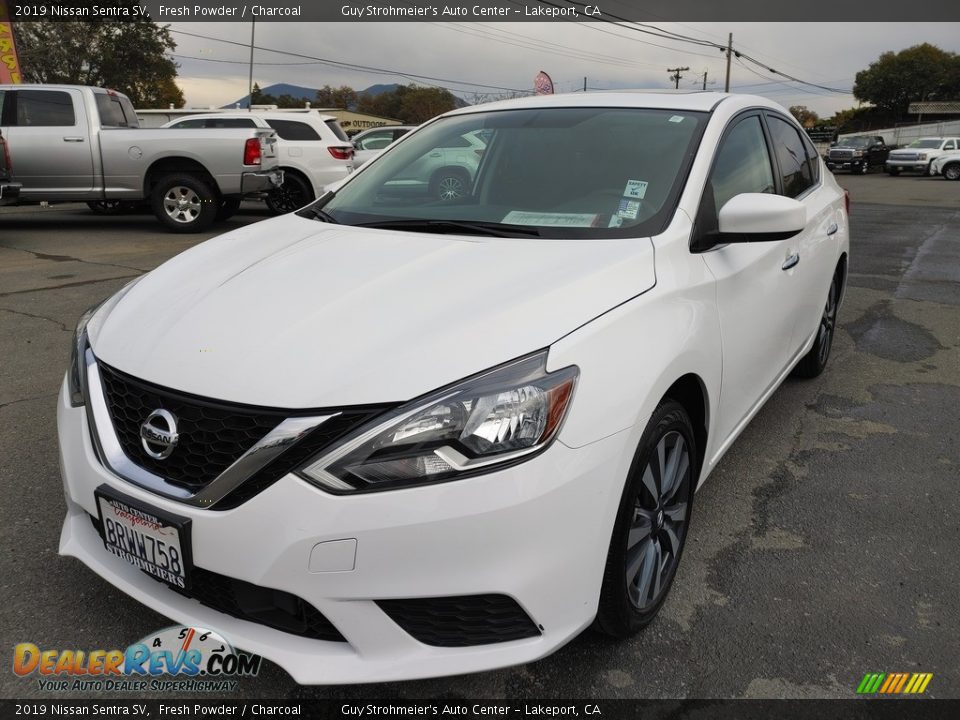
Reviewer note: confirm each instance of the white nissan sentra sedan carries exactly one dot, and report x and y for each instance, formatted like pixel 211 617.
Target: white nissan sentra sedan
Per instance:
pixel 398 435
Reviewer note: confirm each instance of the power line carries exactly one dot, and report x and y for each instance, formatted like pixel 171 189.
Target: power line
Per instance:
pixel 351 66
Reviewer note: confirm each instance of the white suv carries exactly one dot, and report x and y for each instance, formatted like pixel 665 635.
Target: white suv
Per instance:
pixel 313 150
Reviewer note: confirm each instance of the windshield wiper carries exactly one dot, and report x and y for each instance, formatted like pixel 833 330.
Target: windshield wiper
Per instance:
pixel 471 227
pixel 316 211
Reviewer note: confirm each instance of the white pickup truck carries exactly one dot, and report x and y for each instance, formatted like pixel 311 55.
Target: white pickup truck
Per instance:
pixel 79 143
pixel 919 155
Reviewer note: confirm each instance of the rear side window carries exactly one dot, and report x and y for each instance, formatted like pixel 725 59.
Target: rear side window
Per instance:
pixel 794 165
pixel 189 124
pixel 230 123
pixel 110 111
pixel 337 130
pixel 44 108
pixel 293 130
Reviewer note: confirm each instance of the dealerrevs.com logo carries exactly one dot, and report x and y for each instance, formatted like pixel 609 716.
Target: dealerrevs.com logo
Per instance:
pixel 181 659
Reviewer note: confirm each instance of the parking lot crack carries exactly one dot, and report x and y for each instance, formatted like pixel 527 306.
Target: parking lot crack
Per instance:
pixel 59 324
pixel 68 285
pixel 27 399
pixel 68 258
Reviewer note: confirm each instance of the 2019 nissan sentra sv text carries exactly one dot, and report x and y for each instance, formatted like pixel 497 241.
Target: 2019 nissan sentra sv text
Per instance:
pixel 424 427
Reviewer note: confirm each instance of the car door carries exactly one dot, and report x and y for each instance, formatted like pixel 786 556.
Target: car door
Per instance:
pixel 812 250
pixel 756 287
pixel 50 138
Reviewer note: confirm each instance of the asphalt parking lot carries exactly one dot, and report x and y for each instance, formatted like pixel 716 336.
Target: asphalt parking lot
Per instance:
pixel 823 547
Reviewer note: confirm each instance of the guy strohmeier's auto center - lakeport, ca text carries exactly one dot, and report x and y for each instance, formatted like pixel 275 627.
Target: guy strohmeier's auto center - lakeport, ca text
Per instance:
pixel 385 11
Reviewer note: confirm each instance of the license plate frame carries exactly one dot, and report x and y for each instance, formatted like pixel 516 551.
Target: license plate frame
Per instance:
pixel 137 519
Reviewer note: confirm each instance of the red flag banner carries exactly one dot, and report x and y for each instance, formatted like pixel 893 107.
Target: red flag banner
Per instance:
pixel 9 63
pixel 543 84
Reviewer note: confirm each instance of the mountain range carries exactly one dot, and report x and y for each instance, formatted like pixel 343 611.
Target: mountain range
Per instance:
pixel 305 93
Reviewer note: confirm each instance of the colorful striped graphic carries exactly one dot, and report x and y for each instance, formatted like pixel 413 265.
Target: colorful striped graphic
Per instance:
pixel 894 683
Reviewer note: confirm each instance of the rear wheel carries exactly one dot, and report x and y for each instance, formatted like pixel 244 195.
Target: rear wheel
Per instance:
pixel 952 171
pixel 292 195
pixel 651 524
pixel 184 203
pixel 814 362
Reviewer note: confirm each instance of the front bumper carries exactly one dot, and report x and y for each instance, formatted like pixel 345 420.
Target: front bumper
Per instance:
pixel 537 532
pixel 853 165
pixel 911 165
pixel 255 182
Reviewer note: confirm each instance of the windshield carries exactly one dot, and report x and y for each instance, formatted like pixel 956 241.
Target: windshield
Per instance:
pixel 925 143
pixel 857 142
pixel 558 172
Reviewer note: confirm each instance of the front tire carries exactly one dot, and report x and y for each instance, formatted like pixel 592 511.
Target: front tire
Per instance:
pixel 651 525
pixel 894 171
pixel 952 171
pixel 184 203
pixel 815 361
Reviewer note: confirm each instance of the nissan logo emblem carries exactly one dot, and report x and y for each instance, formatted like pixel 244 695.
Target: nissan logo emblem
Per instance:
pixel 158 434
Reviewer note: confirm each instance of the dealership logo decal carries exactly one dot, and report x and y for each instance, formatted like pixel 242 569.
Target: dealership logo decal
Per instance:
pixel 894 683
pixel 180 659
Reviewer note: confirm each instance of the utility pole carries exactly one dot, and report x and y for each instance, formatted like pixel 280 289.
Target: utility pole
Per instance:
pixel 584 83
pixel 253 29
pixel 676 77
pixel 704 79
pixel 726 87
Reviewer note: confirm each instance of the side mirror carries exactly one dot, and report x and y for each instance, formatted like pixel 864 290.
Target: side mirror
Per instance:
pixel 760 217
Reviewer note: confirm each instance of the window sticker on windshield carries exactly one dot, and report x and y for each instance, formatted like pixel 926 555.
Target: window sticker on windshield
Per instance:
pixel 676 118
pixel 615 221
pixel 519 217
pixel 629 209
pixel 635 189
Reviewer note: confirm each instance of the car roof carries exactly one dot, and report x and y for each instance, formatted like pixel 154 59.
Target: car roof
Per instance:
pixel 264 114
pixel 691 101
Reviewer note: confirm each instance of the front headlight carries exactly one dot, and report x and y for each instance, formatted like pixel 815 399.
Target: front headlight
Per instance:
pixel 499 417
pixel 922 156
pixel 858 153
pixel 76 377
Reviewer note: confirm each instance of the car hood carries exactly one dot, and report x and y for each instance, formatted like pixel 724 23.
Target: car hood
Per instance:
pixel 297 313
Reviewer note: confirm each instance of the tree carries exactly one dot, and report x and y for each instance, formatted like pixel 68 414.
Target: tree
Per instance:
pixel 409 103
pixel 805 116
pixel 342 97
pixel 127 56
pixel 258 97
pixel 916 74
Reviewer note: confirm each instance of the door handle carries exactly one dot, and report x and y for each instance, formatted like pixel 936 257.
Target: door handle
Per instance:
pixel 791 261
pixel 73 139
pixel 832 230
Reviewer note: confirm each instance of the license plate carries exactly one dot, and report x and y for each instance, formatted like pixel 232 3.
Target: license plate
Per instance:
pixel 149 539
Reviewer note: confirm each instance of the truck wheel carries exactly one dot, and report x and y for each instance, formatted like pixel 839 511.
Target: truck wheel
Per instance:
pixel 952 171
pixel 928 171
pixel 184 203
pixel 864 168
pixel 893 171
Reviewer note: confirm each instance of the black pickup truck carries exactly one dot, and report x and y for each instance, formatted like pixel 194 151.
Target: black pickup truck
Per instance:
pixel 9 190
pixel 857 154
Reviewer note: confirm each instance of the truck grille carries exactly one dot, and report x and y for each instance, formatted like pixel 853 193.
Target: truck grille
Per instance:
pixel 841 154
pixel 909 157
pixel 213 434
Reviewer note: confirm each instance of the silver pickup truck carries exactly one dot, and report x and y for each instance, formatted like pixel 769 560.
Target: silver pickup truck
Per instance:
pixel 78 143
